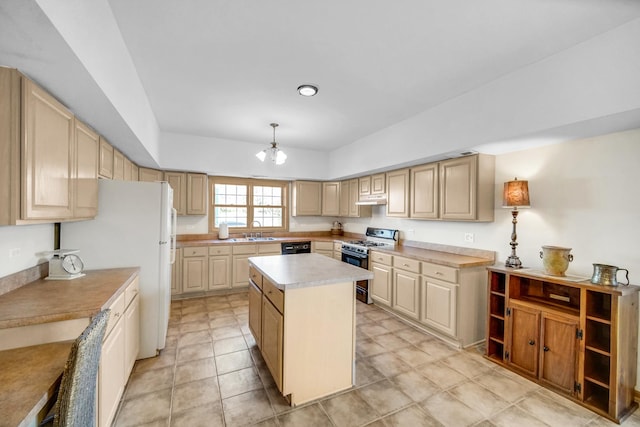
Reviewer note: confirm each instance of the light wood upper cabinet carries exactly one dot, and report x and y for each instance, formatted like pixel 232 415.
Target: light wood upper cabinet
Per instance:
pixel 178 182
pixel 344 198
pixel 330 198
pixel 150 175
pixel 424 191
pixel 378 183
pixel 86 164
pixel 364 186
pixel 196 194
pixel 118 165
pixel 398 193
pixel 127 169
pixel 307 198
pixel 106 159
pixel 467 188
pixel 135 172
pixel 354 196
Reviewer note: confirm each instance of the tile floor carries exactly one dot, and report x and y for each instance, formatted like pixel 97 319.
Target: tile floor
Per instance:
pixel 211 374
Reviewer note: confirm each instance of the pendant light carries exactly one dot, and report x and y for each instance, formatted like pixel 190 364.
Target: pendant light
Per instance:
pixel 276 155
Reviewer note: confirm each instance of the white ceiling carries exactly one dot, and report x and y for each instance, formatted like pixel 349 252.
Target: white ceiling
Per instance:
pixel 226 69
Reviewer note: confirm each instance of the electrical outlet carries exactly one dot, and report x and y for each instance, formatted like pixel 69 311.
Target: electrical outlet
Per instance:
pixel 469 237
pixel 15 252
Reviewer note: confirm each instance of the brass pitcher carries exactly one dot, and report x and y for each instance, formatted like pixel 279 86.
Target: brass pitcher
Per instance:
pixel 606 275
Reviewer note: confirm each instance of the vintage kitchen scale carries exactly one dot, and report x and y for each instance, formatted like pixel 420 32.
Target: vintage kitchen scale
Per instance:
pixel 65 264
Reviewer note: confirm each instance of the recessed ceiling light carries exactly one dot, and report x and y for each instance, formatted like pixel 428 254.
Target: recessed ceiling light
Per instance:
pixel 307 90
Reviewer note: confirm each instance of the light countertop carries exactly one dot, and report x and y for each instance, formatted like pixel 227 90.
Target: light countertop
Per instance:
pixel 304 270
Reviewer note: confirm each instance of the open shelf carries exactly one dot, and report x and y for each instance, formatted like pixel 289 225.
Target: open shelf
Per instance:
pixel 597 367
pixel 496 328
pixel 553 295
pixel 596 396
pixel 497 305
pixel 598 336
pixel 599 305
pixel 495 349
pixel 498 282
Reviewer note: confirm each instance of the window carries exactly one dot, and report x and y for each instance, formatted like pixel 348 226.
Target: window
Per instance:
pixel 248 204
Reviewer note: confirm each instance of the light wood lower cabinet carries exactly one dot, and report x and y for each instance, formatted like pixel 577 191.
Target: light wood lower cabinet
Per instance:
pixel 176 274
pixel 195 269
pixel 272 334
pixel 255 309
pixel 119 351
pixel 439 304
pixel 219 272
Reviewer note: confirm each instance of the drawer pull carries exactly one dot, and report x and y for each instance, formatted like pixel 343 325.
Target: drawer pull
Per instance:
pixel 532 342
pixel 545 348
pixel 439 273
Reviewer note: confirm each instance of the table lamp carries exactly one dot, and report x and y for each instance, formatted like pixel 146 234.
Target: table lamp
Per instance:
pixel 516 194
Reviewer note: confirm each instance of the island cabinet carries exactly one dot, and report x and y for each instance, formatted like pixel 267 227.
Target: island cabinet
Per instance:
pixel 302 316
pixel 573 337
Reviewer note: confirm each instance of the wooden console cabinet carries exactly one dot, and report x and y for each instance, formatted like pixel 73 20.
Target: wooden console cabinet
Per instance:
pixel 578 339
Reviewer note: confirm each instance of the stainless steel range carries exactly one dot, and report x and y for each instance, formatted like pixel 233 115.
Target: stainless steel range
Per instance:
pixel 356 252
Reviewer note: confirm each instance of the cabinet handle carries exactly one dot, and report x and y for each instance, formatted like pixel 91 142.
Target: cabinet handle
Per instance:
pixel 438 273
pixel 545 348
pixel 532 342
pixel 405 265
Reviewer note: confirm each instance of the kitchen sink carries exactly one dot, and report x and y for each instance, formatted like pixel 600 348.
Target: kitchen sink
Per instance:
pixel 252 239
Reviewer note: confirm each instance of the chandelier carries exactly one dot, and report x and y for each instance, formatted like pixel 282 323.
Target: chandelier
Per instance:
pixel 276 155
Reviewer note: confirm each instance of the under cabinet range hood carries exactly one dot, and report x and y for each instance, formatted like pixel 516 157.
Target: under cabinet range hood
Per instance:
pixel 372 199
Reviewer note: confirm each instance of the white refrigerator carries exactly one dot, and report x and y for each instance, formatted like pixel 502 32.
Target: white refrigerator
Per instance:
pixel 135 227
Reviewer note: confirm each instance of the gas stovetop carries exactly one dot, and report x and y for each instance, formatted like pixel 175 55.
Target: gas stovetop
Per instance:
pixel 376 238
pixel 367 243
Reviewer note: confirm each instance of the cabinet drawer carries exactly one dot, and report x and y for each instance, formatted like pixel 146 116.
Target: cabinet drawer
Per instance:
pixel 244 249
pixel 117 310
pixel 407 264
pixel 219 250
pixel 195 251
pixel 255 276
pixel 440 272
pixel 132 290
pixel 381 258
pixel 275 295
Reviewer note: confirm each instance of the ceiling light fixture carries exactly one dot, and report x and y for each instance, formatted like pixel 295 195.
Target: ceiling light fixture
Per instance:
pixel 276 155
pixel 307 90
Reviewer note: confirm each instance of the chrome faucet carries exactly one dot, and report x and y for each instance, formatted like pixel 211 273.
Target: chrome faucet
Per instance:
pixel 258 233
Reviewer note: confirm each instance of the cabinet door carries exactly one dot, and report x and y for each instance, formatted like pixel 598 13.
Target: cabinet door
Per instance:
pixel 196 194
pixel 558 351
pixel 424 191
pixel 381 284
pixel 524 331
pixel 48 156
pixel 344 198
pixel 439 303
pixel 354 186
pixel 105 169
pixel 272 332
pixel 240 271
pixel 132 335
pixel 178 182
pixel 111 379
pixel 330 198
pixel 150 175
pixel 219 272
pixel 135 172
pixel 307 198
pixel 378 184
pixel 86 193
pixel 195 275
pixel 255 313
pixel 118 165
pixel 127 169
pixel 398 193
pixel 458 182
pixel 364 186
pixel 406 293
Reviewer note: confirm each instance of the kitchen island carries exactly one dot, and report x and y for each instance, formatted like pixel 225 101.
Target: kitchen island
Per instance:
pixel 302 316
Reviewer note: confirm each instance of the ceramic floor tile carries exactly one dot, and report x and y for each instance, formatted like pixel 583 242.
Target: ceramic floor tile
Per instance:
pixel 389 364
pixel 514 416
pixel 190 338
pixel 504 386
pixel 414 385
pixel 412 416
pixel 311 415
pixel 278 402
pixel 413 336
pixel 209 415
pixel 393 325
pixel 369 347
pixel 479 398
pixel 437 349
pixel 222 321
pixel 239 382
pixel 441 375
pixel 553 411
pixel 377 315
pixel 373 329
pixel 233 361
pixel 228 345
pixel 466 365
pixel 390 341
pixel 384 397
pixel 247 408
pixel 167 357
pixel 194 394
pixel 450 411
pixel 366 374
pixel 349 409
pixel 225 332
pixel 142 382
pixel 413 356
pixel 145 408
pixel 194 352
pixel 195 370
pixel 201 317
pixel 193 326
pixel 221 312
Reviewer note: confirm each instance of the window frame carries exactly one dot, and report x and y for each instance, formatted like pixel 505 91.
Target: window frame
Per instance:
pixel 250 183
